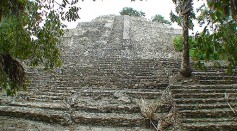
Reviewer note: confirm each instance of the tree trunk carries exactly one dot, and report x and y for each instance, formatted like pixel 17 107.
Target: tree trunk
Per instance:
pixel 185 67
pixel 12 74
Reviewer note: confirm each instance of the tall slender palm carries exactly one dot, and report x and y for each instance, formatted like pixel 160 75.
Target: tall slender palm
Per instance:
pixel 184 8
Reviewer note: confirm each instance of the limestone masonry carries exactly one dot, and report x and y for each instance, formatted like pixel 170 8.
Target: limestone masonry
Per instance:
pixel 109 64
pixel 119 51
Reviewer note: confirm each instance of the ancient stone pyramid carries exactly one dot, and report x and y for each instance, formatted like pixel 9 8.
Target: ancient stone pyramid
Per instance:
pixel 108 65
pixel 119 51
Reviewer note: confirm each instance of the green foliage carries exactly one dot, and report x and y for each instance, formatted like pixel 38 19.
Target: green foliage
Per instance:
pixel 219 36
pixel 17 37
pixel 223 8
pixel 195 50
pixel 132 12
pixel 30 32
pixel 11 7
pixel 178 43
pixel 161 19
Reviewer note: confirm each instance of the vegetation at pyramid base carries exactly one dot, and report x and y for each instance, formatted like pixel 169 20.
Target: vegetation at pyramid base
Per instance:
pixel 30 32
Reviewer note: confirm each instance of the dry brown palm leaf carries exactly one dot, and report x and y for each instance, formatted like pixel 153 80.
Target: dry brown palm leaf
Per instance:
pixel 165 122
pixel 166 97
pixel 147 109
pixel 227 98
pixel 171 119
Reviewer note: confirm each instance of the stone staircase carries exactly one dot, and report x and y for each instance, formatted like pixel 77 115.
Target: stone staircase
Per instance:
pixel 101 80
pixel 216 76
pixel 204 105
pixel 109 64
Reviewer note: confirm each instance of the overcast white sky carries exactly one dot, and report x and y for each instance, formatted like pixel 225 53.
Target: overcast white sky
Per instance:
pixel 90 9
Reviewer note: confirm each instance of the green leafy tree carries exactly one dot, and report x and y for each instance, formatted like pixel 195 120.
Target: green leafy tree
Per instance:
pixel 160 19
pixel 185 14
pixel 219 36
pixel 30 32
pixel 132 12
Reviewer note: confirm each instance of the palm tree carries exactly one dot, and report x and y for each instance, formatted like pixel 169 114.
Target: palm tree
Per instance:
pixel 184 9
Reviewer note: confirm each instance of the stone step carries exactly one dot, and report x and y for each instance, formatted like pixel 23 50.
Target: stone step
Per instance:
pixel 119 82
pixel 208 113
pixel 46 98
pixel 219 86
pixel 221 69
pixel 209 72
pixel 212 125
pixel 122 86
pixel 210 82
pixel 203 95
pixel 134 61
pixel 217 77
pixel 211 120
pixel 43 98
pixel 20 124
pixel 194 106
pixel 68 81
pixel 90 91
pixel 60 95
pixel 53 91
pixel 201 100
pixel 109 108
pixel 197 91
pixel 42 105
pixel 60 77
pixel 97 106
pixel 38 99
pixel 108 119
pixel 47 115
pixel 110 69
